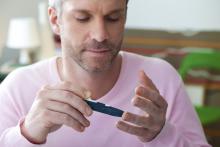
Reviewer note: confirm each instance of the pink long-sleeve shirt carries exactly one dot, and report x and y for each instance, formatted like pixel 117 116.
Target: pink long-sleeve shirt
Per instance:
pixel 182 127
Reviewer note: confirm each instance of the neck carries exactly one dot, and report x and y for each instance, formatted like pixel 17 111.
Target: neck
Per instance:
pixel 97 83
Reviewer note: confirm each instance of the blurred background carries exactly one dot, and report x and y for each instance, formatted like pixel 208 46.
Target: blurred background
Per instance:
pixel 186 33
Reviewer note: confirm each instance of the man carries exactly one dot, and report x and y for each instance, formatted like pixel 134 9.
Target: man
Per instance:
pixel 43 104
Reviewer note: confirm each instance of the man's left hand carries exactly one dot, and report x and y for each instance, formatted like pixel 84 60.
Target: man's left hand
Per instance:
pixel 147 97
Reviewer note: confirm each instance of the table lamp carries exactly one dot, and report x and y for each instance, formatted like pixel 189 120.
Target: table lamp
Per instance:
pixel 23 34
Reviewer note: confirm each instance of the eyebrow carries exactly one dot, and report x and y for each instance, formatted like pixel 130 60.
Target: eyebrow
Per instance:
pixel 90 12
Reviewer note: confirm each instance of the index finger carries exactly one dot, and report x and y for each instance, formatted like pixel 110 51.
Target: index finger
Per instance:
pixel 146 81
pixel 68 86
pixel 69 96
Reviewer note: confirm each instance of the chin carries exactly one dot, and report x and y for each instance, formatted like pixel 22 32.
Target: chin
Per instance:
pixel 97 63
pixel 94 64
pixel 98 68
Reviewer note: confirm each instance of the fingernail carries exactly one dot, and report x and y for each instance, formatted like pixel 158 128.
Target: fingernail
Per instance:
pixel 134 101
pixel 124 116
pixel 87 123
pixel 88 111
pixel 136 89
pixel 82 128
pixel 117 124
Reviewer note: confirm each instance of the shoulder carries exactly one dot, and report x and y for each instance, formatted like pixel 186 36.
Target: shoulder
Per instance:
pixel 159 71
pixel 37 72
pixel 146 62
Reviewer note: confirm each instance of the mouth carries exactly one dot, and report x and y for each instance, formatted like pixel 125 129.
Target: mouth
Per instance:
pixel 94 50
pixel 98 53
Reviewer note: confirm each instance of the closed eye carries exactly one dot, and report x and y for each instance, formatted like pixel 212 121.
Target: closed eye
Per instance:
pixel 86 19
pixel 115 16
pixel 112 19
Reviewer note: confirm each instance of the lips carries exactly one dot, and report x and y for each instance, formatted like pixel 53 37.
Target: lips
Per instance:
pixel 98 50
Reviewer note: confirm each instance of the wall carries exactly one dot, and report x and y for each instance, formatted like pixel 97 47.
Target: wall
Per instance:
pixel 148 14
pixel 14 8
pixel 174 14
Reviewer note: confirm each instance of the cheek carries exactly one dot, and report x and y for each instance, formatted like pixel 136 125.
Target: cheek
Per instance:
pixel 116 36
pixel 116 31
pixel 75 35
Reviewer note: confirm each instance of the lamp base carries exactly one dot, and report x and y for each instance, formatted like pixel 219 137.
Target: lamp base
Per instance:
pixel 24 58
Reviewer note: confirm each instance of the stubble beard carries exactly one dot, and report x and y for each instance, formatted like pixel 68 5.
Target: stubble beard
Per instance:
pixel 95 65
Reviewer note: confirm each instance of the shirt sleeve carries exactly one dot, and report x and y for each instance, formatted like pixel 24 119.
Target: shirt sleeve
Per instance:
pixel 182 127
pixel 11 137
pixel 13 108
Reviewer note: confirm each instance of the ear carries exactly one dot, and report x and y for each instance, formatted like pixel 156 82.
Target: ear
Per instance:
pixel 53 18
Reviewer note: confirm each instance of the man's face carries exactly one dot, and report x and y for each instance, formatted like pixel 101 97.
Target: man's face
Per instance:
pixel 92 32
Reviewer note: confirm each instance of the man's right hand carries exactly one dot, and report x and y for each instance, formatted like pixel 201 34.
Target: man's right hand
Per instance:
pixel 55 106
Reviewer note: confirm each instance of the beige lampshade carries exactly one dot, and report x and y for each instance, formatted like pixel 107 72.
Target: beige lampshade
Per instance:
pixel 23 34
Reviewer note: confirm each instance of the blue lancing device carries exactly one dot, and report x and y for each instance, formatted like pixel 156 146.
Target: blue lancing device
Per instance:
pixel 100 107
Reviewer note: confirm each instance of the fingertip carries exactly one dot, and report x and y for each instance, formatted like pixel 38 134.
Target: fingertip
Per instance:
pixel 139 90
pixel 82 129
pixel 118 123
pixel 51 86
pixel 45 87
pixel 133 101
pixel 86 123
pixel 142 73
pixel 136 89
pixel 79 128
pixel 136 101
pixel 143 78
pixel 89 111
pixel 124 115
pixel 121 125
pixel 87 94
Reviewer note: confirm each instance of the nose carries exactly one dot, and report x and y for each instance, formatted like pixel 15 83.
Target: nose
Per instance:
pixel 100 31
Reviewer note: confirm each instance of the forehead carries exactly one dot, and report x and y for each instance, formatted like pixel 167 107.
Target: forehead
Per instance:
pixel 94 6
